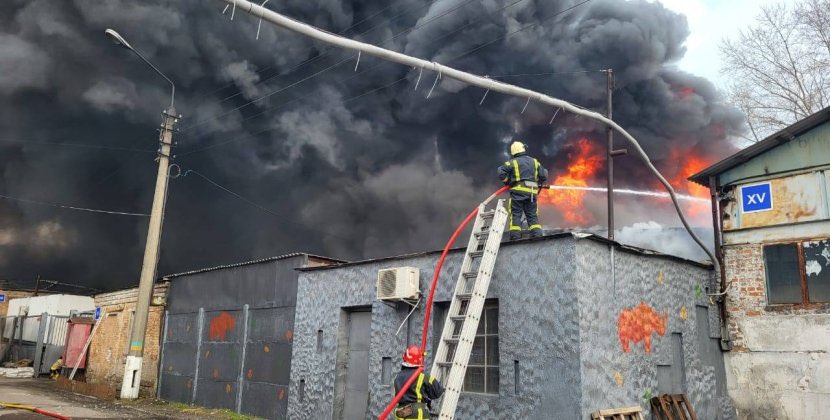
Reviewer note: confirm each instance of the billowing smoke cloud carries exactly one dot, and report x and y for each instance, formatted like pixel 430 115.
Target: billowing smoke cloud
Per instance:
pixel 351 164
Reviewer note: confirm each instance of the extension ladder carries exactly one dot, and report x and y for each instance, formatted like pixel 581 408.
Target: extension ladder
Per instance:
pixel 461 324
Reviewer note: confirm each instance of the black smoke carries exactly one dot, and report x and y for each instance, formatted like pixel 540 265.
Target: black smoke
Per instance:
pixel 352 164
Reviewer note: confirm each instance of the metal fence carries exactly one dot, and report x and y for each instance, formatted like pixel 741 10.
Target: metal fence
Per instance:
pixel 39 338
pixel 235 359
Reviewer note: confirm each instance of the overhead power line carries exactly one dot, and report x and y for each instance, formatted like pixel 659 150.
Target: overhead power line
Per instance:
pixel 63 206
pixel 78 145
pixel 284 218
pixel 326 53
pixel 252 135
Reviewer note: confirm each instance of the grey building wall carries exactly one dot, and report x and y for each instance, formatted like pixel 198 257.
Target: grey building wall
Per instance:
pixel 559 307
pixel 218 353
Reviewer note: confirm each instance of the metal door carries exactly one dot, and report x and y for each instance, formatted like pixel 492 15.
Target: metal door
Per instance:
pixel 356 399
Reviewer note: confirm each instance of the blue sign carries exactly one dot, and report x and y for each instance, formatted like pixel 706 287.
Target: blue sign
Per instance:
pixel 2 297
pixel 97 313
pixel 756 197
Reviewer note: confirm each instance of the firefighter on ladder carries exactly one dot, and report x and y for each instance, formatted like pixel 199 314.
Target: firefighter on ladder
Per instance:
pixel 414 404
pixel 526 176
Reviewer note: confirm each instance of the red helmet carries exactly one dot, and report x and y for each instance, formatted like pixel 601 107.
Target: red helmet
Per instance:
pixel 412 357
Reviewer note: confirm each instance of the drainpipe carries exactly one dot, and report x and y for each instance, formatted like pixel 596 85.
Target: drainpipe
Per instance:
pixel 720 298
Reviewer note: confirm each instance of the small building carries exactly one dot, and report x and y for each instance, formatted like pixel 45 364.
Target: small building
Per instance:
pixel 228 335
pixel 572 324
pixel 773 234
pixel 109 346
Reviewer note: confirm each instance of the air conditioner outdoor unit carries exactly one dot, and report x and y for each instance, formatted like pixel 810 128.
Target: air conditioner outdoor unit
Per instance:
pixel 400 283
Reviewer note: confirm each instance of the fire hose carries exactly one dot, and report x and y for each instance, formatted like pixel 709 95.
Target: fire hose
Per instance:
pixel 35 410
pixel 428 311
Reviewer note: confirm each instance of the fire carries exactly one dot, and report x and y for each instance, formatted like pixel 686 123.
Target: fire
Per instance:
pixel 685 92
pixel 688 164
pixel 586 161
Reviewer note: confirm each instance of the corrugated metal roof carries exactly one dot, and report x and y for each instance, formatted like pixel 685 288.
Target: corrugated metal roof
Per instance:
pixel 259 261
pixel 775 140
pixel 559 235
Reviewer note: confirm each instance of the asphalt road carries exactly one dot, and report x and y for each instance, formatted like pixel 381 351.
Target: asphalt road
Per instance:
pixel 43 394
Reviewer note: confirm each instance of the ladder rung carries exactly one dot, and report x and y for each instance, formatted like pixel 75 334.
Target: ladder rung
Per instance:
pixel 445 364
pixel 488 214
pixel 464 296
pixel 470 274
pixel 458 317
pixel 476 254
pixel 480 235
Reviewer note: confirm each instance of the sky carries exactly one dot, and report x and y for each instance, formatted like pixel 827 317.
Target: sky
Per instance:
pixel 710 21
pixel 349 163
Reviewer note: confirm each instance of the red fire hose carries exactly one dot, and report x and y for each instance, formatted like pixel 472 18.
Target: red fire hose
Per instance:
pixel 427 313
pixel 34 409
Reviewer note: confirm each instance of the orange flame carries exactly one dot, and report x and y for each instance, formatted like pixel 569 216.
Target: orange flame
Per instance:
pixel 688 164
pixel 586 161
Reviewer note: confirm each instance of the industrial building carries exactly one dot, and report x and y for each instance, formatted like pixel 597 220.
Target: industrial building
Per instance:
pixel 228 332
pixel 573 323
pixel 773 233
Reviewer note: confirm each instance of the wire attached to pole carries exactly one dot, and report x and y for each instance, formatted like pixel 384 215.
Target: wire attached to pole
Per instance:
pixel 435 83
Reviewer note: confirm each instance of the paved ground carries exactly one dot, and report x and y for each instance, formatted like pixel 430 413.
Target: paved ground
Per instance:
pixel 42 393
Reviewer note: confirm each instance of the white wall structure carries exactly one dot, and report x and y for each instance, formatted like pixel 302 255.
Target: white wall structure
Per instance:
pixel 51 304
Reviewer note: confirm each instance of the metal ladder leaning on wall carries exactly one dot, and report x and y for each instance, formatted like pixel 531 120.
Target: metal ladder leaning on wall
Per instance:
pixel 459 333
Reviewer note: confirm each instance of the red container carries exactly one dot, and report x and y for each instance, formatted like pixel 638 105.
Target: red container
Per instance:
pixel 76 335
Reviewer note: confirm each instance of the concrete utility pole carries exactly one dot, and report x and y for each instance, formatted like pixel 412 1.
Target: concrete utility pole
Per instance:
pixel 135 357
pixel 611 153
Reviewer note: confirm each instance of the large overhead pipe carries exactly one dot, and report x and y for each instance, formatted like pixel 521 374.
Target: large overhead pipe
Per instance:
pixel 469 78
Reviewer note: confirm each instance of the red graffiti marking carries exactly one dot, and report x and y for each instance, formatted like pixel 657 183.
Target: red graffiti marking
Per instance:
pixel 637 324
pixel 281 394
pixel 250 373
pixel 215 373
pixel 289 335
pixel 220 326
pixel 189 383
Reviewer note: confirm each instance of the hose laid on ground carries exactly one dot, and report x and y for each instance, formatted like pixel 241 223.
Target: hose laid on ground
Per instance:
pixel 428 311
pixel 34 409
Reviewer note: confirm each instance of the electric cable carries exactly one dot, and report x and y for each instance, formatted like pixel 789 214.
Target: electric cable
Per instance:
pixel 251 135
pixel 79 145
pixel 530 25
pixel 325 53
pixel 63 206
pixel 282 217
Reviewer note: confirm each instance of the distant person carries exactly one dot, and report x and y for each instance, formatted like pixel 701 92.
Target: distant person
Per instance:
pixel 525 176
pixel 414 405
pixel 55 369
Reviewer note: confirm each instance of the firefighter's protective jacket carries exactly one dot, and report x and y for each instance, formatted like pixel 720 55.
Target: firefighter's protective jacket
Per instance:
pixel 524 174
pixel 425 389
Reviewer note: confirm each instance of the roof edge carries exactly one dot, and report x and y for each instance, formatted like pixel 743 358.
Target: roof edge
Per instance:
pixel 774 140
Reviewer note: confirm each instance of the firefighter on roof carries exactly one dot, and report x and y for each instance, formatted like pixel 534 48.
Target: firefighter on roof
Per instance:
pixel 414 405
pixel 525 175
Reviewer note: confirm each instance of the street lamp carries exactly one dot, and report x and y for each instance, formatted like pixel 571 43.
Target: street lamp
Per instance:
pixel 132 365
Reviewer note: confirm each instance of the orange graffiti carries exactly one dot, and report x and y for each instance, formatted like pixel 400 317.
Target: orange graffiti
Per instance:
pixel 281 394
pixel 228 388
pixel 266 349
pixel 250 373
pixel 289 335
pixel 637 324
pixel 215 373
pixel 220 325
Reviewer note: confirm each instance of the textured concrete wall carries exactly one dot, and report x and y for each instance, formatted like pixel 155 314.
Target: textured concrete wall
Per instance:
pixel 559 311
pixel 779 367
pixel 109 346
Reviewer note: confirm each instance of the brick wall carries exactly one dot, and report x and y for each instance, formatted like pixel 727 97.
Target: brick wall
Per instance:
pixel 109 347
pixel 779 361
